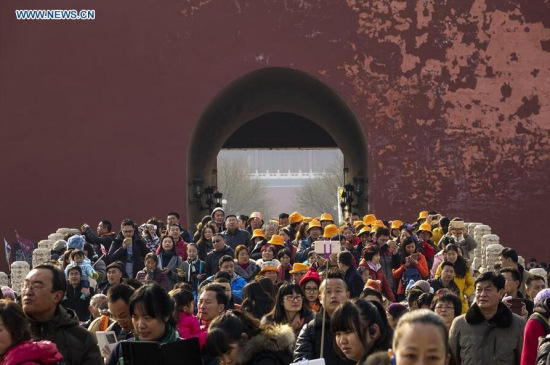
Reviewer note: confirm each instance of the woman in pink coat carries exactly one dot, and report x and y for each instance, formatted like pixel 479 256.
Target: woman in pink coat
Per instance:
pixel 16 346
pixel 371 261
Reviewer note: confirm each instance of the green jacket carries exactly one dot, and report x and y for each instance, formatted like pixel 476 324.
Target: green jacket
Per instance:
pixel 76 344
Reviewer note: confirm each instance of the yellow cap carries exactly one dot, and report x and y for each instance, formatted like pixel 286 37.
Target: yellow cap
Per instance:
pixel 368 219
pixel 295 217
pixel 277 240
pixel 326 217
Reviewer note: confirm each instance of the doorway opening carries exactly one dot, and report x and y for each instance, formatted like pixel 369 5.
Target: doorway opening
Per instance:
pixel 273 108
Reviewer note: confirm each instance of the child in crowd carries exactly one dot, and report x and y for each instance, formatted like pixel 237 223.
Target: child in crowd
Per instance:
pixel 77 256
pixel 188 324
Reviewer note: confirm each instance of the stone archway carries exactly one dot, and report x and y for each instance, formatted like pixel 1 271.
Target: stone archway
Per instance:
pixel 265 91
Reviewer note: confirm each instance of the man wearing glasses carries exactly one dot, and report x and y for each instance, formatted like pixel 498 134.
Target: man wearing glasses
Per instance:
pixel 129 248
pixel 42 293
pixel 220 250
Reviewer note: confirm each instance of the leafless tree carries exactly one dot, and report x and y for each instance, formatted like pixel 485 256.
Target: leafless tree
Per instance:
pixel 244 195
pixel 319 195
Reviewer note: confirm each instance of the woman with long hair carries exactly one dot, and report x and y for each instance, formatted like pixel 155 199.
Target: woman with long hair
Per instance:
pixel 289 308
pixel 463 275
pixel 237 338
pixel 285 259
pixel 421 337
pixel 169 261
pixel 256 301
pixel 413 266
pixel 151 310
pixel 16 346
pixel 360 328
pixel 205 241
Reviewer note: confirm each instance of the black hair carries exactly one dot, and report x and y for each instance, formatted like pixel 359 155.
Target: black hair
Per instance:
pixel 107 224
pixel 222 275
pixel 358 316
pixel 371 291
pixel 413 296
pixel 256 301
pixel 284 251
pixel 175 214
pixel 74 266
pixel 510 253
pixel 515 273
pixel 120 291
pixel 283 216
pixel 345 258
pixel 534 277
pixel 173 244
pixel 446 295
pixel 222 280
pixel 153 301
pixel 227 329
pixel 229 216
pixel 15 321
pixel 497 280
pixel 268 286
pixel 447 263
pixel 425 299
pixel 382 231
pixel 59 282
pixel 182 298
pixel 370 251
pixel 224 258
pixel 221 297
pixel 76 253
pixel 278 314
pixel 128 222
pixel 461 267
pixel 409 240
pixel 242 217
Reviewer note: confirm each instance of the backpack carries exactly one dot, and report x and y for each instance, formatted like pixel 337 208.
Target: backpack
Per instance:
pixel 410 273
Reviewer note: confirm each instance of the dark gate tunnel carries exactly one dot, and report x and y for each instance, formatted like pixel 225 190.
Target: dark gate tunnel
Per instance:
pixel 252 102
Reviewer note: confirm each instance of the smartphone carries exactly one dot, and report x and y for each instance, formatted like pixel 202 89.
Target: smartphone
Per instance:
pixel 516 305
pixel 415 255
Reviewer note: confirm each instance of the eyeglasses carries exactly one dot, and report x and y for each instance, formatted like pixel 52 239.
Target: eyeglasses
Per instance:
pixel 444 308
pixel 311 289
pixel 293 298
pixel 36 287
pixel 131 231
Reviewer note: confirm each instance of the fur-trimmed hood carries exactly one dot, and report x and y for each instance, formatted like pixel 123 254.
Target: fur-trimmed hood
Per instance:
pixel 503 318
pixel 275 341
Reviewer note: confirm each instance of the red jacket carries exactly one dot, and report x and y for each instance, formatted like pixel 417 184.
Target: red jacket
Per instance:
pixel 533 330
pixel 379 275
pixel 32 353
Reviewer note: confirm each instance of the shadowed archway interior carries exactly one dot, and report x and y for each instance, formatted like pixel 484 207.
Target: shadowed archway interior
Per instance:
pixel 274 108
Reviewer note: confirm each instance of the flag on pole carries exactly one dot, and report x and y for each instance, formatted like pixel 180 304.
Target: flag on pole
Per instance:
pixel 7 249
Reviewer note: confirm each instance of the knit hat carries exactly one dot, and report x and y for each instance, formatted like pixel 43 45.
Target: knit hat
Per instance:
pixel 310 275
pixel 374 284
pixel 423 285
pixel 396 310
pixel 60 245
pixel 541 296
pixel 217 209
pixel 76 242
pixel 8 292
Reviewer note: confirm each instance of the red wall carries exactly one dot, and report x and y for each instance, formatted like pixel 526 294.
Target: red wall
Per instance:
pixel 96 115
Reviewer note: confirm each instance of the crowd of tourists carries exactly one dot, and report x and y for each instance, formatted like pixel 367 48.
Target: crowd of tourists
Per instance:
pixel 296 289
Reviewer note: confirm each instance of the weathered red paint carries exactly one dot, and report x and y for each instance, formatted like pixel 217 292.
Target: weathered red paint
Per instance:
pixel 452 95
